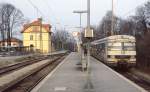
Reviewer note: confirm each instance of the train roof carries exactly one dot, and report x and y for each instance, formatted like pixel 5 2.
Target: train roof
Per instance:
pixel 114 38
pixel 121 37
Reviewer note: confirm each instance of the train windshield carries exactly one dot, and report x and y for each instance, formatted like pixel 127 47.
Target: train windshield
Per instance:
pixel 128 46
pixel 114 46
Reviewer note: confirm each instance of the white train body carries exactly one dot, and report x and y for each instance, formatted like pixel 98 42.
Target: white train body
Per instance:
pixel 115 50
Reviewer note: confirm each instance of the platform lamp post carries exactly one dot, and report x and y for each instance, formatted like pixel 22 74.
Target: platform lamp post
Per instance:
pixel 88 35
pixel 80 36
pixel 80 13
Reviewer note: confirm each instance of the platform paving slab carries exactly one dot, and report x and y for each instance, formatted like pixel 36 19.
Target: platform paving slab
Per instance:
pixel 68 77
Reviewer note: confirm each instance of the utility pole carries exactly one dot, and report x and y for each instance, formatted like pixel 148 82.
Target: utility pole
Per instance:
pixel 89 35
pixel 51 44
pixel 112 22
pixel 41 42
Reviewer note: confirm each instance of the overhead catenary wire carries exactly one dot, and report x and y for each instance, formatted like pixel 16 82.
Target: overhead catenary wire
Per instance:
pixel 50 11
pixel 36 8
pixel 42 15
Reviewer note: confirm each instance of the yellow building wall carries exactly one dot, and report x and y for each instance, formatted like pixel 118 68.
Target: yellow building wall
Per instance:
pixel 43 45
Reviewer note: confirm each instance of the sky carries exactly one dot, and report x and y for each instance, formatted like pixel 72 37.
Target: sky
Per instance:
pixel 60 12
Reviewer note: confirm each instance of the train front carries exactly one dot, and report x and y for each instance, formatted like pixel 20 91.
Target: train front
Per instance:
pixel 121 51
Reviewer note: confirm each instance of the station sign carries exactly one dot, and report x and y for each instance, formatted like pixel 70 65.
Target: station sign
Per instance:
pixel 75 34
pixel 88 33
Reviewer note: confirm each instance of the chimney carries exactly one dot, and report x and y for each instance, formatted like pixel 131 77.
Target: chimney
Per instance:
pixel 40 20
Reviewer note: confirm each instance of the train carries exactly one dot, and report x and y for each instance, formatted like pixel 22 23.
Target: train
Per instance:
pixel 115 51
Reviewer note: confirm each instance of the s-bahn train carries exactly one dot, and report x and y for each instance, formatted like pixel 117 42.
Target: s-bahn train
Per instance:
pixel 115 51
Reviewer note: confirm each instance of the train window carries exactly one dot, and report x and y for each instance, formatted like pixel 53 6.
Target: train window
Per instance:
pixel 129 48
pixel 129 44
pixel 114 48
pixel 114 44
pixel 117 44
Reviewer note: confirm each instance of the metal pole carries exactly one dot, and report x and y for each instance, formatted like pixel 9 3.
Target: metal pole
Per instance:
pixel 88 29
pixel 41 42
pixel 105 29
pixel 51 44
pixel 112 22
pixel 80 36
pixel 35 42
pixel 88 14
pixel 89 85
pixel 80 21
pixel 80 39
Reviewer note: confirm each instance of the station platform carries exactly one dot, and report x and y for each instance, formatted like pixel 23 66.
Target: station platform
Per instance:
pixel 56 52
pixel 68 77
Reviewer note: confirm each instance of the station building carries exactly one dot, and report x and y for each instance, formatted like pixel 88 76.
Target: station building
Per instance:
pixel 14 42
pixel 37 36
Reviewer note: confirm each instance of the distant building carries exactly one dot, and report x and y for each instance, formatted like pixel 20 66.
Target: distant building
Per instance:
pixel 14 42
pixel 38 36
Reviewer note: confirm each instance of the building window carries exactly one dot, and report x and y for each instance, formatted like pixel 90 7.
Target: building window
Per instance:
pixel 31 37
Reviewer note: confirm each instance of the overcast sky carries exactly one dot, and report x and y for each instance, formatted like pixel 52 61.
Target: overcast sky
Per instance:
pixel 59 12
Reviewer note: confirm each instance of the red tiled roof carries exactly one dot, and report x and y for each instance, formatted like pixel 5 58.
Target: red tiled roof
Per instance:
pixel 37 23
pixel 12 40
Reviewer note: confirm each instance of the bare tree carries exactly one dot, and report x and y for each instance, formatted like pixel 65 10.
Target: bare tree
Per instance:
pixel 104 27
pixel 127 27
pixel 10 18
pixel 63 40
pixel 140 21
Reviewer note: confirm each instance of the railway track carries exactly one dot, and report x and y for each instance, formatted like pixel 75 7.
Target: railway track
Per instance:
pixel 141 81
pixel 30 81
pixel 9 68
